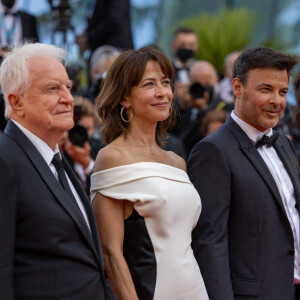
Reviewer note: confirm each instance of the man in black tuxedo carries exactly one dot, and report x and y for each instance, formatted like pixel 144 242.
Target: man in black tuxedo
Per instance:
pixel 184 47
pixel 109 25
pixel 48 236
pixel 247 239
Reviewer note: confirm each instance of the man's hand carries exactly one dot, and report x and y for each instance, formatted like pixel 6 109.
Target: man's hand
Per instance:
pixel 81 155
pixel 201 103
pixel 3 52
pixel 83 42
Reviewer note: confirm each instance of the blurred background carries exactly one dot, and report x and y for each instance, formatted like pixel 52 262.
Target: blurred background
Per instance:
pixel 212 33
pixel 225 25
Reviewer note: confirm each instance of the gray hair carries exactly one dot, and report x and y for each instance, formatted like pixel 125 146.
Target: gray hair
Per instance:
pixel 14 77
pixel 100 55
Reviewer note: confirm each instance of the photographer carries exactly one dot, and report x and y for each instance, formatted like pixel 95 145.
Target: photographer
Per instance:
pixel 80 146
pixel 199 97
pixel 108 25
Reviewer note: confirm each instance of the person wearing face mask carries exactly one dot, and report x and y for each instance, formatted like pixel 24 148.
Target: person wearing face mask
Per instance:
pixel 184 47
pixel 80 146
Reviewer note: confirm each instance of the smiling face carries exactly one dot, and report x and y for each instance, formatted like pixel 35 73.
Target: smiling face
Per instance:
pixel 151 98
pixel 47 105
pixel 260 102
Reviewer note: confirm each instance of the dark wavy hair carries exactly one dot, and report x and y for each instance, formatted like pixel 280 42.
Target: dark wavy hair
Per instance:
pixel 261 57
pixel 125 73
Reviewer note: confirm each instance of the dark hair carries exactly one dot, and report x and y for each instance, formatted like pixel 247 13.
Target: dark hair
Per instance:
pixel 261 57
pixel 296 112
pixel 85 108
pixel 210 117
pixel 126 72
pixel 184 29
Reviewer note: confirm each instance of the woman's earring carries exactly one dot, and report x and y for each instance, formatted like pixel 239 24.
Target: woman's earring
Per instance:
pixel 171 110
pixel 122 116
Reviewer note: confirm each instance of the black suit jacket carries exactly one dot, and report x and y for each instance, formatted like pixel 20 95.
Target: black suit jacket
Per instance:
pixel 29 28
pixel 243 241
pixel 47 249
pixel 110 25
pixel 2 110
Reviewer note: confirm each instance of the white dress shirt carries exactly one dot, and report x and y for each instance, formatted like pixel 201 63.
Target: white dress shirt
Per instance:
pixel 283 182
pixel 183 73
pixel 47 153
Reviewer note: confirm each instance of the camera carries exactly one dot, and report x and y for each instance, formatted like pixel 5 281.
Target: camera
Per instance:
pixel 197 90
pixel 78 135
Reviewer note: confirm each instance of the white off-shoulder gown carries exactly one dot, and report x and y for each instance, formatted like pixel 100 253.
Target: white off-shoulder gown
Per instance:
pixel 167 208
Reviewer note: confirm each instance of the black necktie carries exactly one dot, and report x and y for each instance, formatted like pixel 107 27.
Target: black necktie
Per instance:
pixel 57 162
pixel 268 141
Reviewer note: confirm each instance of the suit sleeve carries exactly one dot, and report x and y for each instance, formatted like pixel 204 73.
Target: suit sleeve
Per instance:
pixel 210 174
pixel 98 31
pixel 8 192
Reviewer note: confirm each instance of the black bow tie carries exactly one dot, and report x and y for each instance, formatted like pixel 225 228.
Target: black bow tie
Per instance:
pixel 267 140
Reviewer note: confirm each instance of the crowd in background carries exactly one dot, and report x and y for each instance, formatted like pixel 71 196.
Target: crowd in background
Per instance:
pixel 197 101
pixel 202 99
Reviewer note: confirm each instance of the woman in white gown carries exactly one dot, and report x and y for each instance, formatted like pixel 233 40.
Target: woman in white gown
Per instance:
pixel 145 204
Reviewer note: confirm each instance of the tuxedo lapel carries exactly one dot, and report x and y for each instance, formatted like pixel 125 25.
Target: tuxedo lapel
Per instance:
pixel 249 150
pixel 294 176
pixel 259 164
pixel 86 202
pixel 49 179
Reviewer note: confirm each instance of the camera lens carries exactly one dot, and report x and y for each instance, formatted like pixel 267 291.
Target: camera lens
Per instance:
pixel 197 90
pixel 78 135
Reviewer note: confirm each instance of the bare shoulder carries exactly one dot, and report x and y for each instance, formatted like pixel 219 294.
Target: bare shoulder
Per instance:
pixel 178 161
pixel 108 157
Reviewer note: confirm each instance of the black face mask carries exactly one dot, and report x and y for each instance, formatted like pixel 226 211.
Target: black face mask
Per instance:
pixel 184 54
pixel 8 3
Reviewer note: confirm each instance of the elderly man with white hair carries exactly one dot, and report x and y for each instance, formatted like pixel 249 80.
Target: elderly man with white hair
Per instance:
pixel 49 241
pixel 101 60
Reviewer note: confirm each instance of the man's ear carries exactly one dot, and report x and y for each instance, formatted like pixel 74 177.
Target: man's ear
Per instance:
pixel 237 87
pixel 17 104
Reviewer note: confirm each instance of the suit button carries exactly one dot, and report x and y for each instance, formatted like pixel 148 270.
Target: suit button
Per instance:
pixel 291 252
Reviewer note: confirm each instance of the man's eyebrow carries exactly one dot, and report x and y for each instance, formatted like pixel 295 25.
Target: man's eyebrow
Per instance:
pixel 59 82
pixel 265 84
pixel 270 85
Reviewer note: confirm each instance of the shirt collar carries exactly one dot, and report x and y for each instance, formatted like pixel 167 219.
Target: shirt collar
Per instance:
pixel 178 64
pixel 251 132
pixel 43 148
